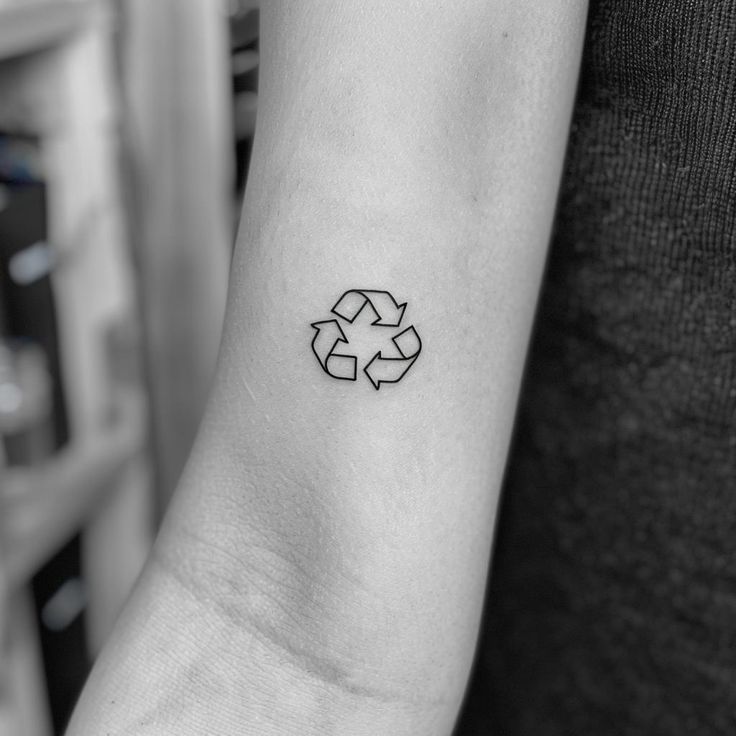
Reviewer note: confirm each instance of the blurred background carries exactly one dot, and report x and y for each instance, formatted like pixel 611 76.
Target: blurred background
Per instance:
pixel 125 133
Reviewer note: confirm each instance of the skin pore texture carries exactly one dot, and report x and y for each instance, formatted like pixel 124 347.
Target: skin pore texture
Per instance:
pixel 323 565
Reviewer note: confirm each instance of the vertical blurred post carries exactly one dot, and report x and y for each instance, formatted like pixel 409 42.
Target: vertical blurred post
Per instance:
pixel 176 67
pixel 23 699
pixel 23 708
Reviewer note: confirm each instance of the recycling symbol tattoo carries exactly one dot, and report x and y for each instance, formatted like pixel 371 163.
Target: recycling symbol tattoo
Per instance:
pixel 389 364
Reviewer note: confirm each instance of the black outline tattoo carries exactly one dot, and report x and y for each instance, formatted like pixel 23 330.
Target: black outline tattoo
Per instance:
pixel 329 340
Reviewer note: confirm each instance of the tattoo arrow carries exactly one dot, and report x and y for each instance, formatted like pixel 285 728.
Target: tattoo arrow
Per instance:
pixel 329 335
pixel 391 370
pixel 388 312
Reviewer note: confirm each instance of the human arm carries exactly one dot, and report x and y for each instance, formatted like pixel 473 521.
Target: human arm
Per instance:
pixel 323 565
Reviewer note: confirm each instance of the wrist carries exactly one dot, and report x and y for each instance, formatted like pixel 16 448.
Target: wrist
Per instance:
pixel 183 663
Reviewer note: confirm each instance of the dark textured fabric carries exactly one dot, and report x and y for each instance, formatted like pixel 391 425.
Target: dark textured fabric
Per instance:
pixel 612 603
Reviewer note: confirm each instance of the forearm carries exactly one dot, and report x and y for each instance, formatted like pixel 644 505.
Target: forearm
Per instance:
pixel 322 569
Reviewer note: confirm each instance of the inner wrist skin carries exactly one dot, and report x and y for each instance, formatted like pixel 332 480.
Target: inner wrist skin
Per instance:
pixel 175 667
pixel 341 601
pixel 304 531
pixel 306 518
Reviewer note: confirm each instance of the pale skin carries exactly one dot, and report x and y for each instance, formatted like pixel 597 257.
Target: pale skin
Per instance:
pixel 323 565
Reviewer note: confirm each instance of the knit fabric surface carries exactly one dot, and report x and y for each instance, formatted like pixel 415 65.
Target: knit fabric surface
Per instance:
pixel 612 598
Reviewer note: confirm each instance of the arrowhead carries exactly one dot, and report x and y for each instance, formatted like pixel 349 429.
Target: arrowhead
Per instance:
pixel 330 325
pixel 367 370
pixel 394 319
